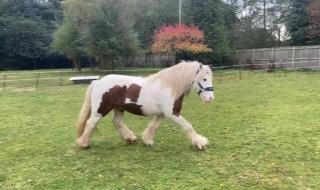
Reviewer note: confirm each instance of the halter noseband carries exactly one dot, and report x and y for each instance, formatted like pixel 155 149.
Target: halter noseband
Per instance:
pixel 206 89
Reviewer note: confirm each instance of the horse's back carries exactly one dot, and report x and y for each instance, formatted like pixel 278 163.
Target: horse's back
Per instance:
pixel 116 84
pixel 120 79
pixel 110 81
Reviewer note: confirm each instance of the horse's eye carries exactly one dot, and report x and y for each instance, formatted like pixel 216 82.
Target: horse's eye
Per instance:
pixel 204 79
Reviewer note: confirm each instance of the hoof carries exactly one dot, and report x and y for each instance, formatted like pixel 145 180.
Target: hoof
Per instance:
pixel 200 142
pixel 147 142
pixel 147 138
pixel 131 140
pixel 82 145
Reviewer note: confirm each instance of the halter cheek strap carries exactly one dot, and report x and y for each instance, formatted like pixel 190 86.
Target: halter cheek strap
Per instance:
pixel 206 89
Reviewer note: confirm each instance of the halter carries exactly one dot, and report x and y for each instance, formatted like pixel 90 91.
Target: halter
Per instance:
pixel 206 89
pixel 202 89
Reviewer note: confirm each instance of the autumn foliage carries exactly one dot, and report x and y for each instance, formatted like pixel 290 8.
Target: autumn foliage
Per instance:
pixel 179 38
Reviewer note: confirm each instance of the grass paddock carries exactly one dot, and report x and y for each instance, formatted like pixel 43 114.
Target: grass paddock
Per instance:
pixel 264 133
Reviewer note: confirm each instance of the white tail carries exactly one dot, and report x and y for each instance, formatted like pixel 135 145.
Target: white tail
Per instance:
pixel 85 111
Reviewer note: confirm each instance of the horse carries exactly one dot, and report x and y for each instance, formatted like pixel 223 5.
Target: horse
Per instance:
pixel 159 95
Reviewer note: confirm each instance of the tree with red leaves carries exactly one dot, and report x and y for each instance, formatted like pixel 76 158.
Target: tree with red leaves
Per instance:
pixel 179 38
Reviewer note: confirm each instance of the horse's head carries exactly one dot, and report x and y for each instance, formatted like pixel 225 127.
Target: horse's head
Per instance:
pixel 203 83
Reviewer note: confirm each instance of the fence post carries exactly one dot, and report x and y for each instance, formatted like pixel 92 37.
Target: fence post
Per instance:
pixel 293 57
pixel 319 57
pixel 272 55
pixel 145 59
pixel 4 81
pixel 237 57
pixel 37 79
pixel 60 79
pixel 253 56
pixel 152 58
pixel 222 76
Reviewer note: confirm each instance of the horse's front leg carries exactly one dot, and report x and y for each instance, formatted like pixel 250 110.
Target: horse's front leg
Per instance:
pixel 197 140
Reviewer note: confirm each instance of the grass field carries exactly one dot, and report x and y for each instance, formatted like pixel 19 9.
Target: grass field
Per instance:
pixel 264 133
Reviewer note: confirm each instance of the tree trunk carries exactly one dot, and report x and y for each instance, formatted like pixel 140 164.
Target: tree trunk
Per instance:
pixel 76 64
pixel 265 14
pixel 79 65
pixel 112 63
pixel 279 37
pixel 103 63
pixel 91 63
pixel 107 63
pixel 35 63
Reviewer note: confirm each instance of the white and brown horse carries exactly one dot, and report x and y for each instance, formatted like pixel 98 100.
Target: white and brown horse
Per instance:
pixel 159 95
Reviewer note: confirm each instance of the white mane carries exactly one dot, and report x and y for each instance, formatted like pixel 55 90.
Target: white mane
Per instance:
pixel 178 78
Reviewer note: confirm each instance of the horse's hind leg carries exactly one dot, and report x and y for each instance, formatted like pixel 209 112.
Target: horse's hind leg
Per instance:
pixel 149 132
pixel 126 133
pixel 84 140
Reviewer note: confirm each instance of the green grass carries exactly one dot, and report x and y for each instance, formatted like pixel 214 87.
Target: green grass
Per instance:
pixel 264 133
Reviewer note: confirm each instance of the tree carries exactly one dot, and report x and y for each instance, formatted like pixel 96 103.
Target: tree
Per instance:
pixel 298 23
pixel 109 34
pixel 69 38
pixel 25 38
pixel 66 42
pixel 26 28
pixel 260 23
pixel 216 19
pixel 97 29
pixel 263 12
pixel 148 15
pixel 249 37
pixel 314 18
pixel 179 38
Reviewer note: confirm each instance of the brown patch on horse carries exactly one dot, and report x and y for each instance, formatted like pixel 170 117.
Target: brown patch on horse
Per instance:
pixel 116 97
pixel 133 92
pixel 177 106
pixel 133 108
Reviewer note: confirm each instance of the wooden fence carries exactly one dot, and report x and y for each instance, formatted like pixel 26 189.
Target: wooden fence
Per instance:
pixel 279 58
pixel 58 78
pixel 150 60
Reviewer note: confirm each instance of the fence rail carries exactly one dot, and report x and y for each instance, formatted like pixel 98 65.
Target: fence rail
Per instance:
pixel 282 58
pixel 153 60
pixel 58 78
pixel 61 78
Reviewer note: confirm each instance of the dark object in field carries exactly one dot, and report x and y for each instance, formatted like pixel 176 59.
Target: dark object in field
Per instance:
pixel 83 79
